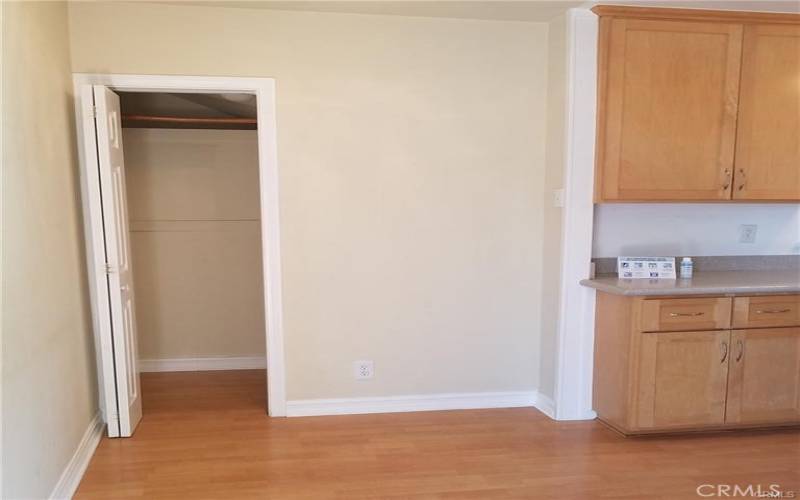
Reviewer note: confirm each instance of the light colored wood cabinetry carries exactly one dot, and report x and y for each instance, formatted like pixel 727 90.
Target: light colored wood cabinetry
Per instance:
pixel 768 138
pixel 681 379
pixel 764 379
pixel 697 106
pixel 675 315
pixel 674 364
pixel 669 126
pixel 766 311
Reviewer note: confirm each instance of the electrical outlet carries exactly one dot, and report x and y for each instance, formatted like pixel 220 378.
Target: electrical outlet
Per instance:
pixel 363 370
pixel 747 233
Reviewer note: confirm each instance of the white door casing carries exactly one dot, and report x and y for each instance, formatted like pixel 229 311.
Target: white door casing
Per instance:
pixel 95 205
pixel 111 167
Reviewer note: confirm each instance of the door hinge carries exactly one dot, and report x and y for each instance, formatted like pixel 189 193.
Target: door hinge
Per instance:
pixel 94 111
pixel 110 269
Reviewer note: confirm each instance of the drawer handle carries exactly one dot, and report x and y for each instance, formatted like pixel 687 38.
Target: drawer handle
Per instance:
pixel 686 315
pixel 740 345
pixel 773 311
pixel 724 352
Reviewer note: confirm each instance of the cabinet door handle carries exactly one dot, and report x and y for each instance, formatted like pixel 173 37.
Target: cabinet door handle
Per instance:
pixel 743 177
pixel 773 311
pixel 727 180
pixel 686 315
pixel 724 352
pixel 740 345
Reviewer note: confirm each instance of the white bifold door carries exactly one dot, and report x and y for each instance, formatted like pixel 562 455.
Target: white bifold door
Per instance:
pixel 117 326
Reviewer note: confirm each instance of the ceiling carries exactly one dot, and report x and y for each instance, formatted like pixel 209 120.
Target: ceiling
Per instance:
pixel 496 10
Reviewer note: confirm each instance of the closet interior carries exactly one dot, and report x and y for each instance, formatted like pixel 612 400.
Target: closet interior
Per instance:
pixel 192 184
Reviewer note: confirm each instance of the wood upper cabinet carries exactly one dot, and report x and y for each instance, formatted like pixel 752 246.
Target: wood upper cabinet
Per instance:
pixel 764 379
pixel 668 104
pixel 697 105
pixel 682 379
pixel 768 139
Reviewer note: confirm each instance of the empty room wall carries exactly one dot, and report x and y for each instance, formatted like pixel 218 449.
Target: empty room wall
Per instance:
pixel 193 203
pixel 49 388
pixel 411 163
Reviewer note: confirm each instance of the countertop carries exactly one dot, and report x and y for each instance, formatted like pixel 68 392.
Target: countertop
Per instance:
pixel 703 283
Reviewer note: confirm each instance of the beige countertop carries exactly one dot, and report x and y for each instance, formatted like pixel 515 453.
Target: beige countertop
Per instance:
pixel 703 283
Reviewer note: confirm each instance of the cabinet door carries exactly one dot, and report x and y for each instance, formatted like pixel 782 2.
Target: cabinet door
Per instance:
pixel 764 383
pixel 682 379
pixel 667 109
pixel 768 138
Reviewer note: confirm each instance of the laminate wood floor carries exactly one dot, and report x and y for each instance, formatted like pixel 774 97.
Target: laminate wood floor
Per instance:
pixel 206 435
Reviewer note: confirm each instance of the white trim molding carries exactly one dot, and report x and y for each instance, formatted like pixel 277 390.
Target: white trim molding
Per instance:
pixel 203 364
pixel 546 405
pixel 573 394
pixel 264 90
pixel 418 402
pixel 73 473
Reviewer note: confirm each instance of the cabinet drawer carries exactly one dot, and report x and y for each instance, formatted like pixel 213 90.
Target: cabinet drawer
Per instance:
pixel 676 315
pixel 761 312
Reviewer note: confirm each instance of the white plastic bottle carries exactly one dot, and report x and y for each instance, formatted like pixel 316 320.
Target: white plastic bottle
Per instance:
pixel 687 268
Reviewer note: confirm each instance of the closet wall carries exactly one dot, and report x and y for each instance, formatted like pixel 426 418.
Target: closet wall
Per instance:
pixel 195 234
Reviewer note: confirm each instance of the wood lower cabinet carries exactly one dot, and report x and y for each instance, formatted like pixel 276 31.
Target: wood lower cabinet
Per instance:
pixel 681 379
pixel 764 377
pixel 766 311
pixel 675 315
pixel 649 379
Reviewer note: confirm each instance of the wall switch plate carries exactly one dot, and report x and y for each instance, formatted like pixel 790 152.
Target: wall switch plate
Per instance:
pixel 363 370
pixel 558 197
pixel 747 233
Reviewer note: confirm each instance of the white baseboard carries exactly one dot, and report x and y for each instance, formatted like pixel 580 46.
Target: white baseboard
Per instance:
pixel 546 405
pixel 203 364
pixel 583 415
pixel 423 402
pixel 73 473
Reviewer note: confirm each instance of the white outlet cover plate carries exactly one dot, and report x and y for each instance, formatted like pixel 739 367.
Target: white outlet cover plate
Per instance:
pixel 747 233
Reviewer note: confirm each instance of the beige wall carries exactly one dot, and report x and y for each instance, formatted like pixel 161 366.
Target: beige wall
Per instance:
pixel 48 365
pixel 553 216
pixel 411 158
pixel 196 242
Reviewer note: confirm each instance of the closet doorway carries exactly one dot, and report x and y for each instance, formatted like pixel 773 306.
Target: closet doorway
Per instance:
pixel 179 185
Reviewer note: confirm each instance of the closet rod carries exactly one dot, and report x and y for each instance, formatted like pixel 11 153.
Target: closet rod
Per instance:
pixel 179 119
